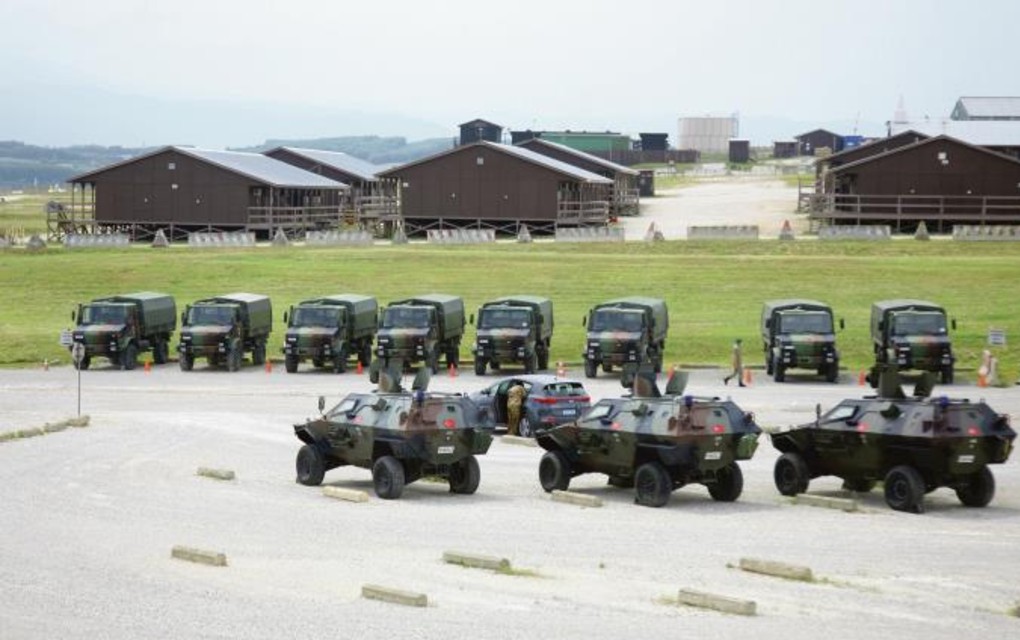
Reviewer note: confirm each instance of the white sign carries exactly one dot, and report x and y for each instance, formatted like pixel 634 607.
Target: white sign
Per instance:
pixel 78 352
pixel 66 338
pixel 997 337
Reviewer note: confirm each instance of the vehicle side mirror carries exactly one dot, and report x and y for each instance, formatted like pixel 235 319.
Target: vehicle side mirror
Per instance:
pixel 322 403
pixel 842 324
pixel 851 422
pixel 184 314
pixel 471 319
pixel 73 314
pixel 584 321
pixel 286 317
pixel 953 323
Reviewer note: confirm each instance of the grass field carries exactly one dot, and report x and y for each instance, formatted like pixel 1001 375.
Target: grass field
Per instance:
pixel 714 289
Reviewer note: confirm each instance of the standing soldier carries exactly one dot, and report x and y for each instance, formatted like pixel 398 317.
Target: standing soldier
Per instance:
pixel 514 403
pixel 738 364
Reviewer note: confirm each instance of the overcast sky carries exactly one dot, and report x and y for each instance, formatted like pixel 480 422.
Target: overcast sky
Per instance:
pixel 74 72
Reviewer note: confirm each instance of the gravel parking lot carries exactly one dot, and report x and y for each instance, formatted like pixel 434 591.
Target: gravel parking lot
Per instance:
pixel 90 516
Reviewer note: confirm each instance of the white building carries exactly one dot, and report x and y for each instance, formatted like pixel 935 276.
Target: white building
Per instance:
pixel 708 134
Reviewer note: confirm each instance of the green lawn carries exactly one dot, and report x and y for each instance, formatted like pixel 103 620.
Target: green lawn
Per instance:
pixel 714 289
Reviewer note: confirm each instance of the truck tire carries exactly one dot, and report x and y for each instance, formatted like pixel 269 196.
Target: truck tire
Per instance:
pixel 780 372
pixel 832 372
pixel 768 366
pixel 340 360
pixel 652 485
pixel 258 353
pixel 904 489
pixel 591 369
pixel 554 471
pixel 160 352
pixel 465 476
pixel 388 478
pixel 311 467
pixel 791 474
pixel 524 427
pixel 290 362
pixel 187 362
pixel 479 366
pixel 947 375
pixel 365 355
pixel 432 361
pixel 530 363
pixel 453 357
pixel 84 364
pixel 234 358
pixel 728 485
pixel 979 490
pixel 129 357
pixel 543 358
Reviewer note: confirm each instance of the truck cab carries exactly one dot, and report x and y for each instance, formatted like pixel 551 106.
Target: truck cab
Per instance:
pixel 628 331
pixel 421 330
pixel 119 328
pixel 510 330
pixel 799 334
pixel 913 334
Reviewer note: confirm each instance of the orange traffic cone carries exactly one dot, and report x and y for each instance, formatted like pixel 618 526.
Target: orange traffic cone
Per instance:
pixel 747 377
pixel 862 378
pixel 148 366
pixel 360 369
pixel 269 366
pixel 982 380
pixel 453 371
pixel 561 368
pixel 46 364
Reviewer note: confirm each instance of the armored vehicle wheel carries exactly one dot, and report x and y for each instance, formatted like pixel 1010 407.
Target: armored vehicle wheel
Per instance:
pixel 234 359
pixel 858 485
pixel 129 357
pixel 947 375
pixel 554 471
pixel 258 354
pixel 340 360
pixel 388 478
pixel 310 466
pixel 791 474
pixel 904 489
pixel 728 485
pixel 608 368
pixel 652 484
pixel 479 366
pixel 187 362
pixel 160 352
pixel 590 369
pixel 291 363
pixel 621 482
pixel 465 476
pixel 979 490
pixel 832 372
pixel 524 427
pixel 84 364
pixel 543 359
pixel 780 372
pixel 531 363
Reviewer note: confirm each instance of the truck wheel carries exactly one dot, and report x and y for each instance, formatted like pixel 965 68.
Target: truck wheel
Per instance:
pixel 590 369
pixel 979 490
pixel 728 485
pixel 84 364
pixel 365 355
pixel 388 478
pixel 531 363
pixel 258 354
pixel 291 363
pixel 554 471
pixel 234 359
pixel 543 359
pixel 129 359
pixel 904 489
pixel 652 485
pixel 858 485
pixel 607 367
pixel 465 476
pixel 947 375
pixel 453 358
pixel 768 366
pixel 159 352
pixel 340 360
pixel 658 363
pixel 832 374
pixel 432 361
pixel 187 362
pixel 791 474
pixel 479 366
pixel 780 370
pixel 310 466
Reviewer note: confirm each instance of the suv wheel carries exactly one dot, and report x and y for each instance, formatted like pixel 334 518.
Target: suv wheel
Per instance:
pixel 524 428
pixel 590 369
pixel 187 362
pixel 291 363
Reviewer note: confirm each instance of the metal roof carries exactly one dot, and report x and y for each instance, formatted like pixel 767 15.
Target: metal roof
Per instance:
pixel 618 168
pixel 928 141
pixel 990 106
pixel 263 168
pixel 983 133
pixel 338 160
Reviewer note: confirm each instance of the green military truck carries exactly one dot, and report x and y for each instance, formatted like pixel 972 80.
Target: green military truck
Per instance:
pixel 420 330
pixel 625 331
pixel 221 329
pixel 912 334
pixel 799 334
pixel 513 329
pixel 330 329
pixel 121 327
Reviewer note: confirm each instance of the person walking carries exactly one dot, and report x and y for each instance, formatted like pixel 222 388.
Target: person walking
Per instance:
pixel 738 364
pixel 514 404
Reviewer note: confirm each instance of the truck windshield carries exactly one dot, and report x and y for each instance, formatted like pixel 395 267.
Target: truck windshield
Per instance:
pixel 617 320
pixel 919 324
pixel 206 314
pixel 494 318
pixel 405 317
pixel 315 317
pixel 806 323
pixel 103 314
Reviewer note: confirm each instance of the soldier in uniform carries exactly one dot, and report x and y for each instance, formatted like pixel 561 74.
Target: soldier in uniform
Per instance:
pixel 738 364
pixel 514 404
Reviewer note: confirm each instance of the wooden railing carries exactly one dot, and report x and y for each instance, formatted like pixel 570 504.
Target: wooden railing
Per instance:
pixel 324 217
pixel 978 210
pixel 582 211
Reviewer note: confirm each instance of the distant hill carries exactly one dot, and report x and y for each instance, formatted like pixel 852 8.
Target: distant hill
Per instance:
pixel 374 149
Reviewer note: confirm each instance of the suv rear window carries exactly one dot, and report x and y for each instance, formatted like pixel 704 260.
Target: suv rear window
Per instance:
pixel 564 389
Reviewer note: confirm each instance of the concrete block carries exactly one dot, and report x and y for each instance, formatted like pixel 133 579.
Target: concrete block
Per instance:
pixel 55 427
pixel 8 435
pixel 200 556
pixel 518 440
pixel 394 596
pixel 476 561
pixel 844 504
pixel 79 422
pixel 717 603
pixel 350 495
pixel 777 569
pixel 31 432
pixel 215 474
pixel 579 499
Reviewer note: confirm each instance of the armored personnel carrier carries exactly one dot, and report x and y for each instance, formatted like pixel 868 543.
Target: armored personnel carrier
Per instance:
pixel 914 445
pixel 400 435
pixel 655 443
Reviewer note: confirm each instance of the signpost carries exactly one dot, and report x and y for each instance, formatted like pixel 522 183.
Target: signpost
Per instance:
pixel 78 354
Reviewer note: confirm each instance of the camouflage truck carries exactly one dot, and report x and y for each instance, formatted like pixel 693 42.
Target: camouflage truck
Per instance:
pixel 911 334
pixel 799 334
pixel 913 445
pixel 223 328
pixel 420 330
pixel 121 327
pixel 625 331
pixel 401 436
pixel 653 443
pixel 330 329
pixel 513 329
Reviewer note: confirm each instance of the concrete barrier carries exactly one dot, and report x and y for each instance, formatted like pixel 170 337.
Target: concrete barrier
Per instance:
pixel 160 241
pixel 777 569
pixel 356 238
pixel 220 239
pixel 519 441
pixel 200 556
pixel 524 236
pixel 724 604
pixel 460 236
pixel 578 499
pixel 722 232
pixel 476 561
pixel 855 232
pixel 987 233
pixel 4 243
pixel 590 234
pixel 394 596
pixel 35 243
pixel 54 427
pixel 96 241
pixel 843 504
pixel 350 495
pixel 215 474
pixel 280 238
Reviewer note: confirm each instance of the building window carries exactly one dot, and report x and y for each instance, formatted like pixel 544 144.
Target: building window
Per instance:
pixel 170 166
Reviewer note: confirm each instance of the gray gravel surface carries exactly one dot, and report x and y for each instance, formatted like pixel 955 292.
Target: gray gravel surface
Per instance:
pixel 89 517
